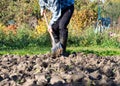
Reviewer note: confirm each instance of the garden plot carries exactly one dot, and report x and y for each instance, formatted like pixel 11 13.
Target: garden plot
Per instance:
pixel 77 69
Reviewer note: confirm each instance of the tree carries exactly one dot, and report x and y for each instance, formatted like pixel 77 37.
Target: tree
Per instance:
pixel 18 10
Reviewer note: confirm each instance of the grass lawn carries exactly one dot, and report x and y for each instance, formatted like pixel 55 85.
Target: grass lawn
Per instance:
pixel 42 50
pixel 97 50
pixel 27 50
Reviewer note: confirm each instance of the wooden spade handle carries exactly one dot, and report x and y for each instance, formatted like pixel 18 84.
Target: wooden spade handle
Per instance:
pixel 51 35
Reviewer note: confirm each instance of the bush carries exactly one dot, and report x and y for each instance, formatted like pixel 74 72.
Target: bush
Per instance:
pixel 23 38
pixel 18 10
pixel 112 9
pixel 90 38
pixel 26 37
pixel 84 15
pixel 82 19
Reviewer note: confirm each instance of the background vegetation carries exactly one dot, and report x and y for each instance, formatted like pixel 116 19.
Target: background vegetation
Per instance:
pixel 21 25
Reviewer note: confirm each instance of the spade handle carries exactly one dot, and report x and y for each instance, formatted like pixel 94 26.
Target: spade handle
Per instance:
pixel 51 35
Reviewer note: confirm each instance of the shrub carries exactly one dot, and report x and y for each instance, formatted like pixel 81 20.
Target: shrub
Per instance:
pixel 84 15
pixel 2 26
pixel 112 9
pixel 82 19
pixel 90 38
pixel 24 37
pixel 23 8
pixel 41 28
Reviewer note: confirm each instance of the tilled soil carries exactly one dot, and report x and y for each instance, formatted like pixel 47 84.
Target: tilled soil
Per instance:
pixel 77 69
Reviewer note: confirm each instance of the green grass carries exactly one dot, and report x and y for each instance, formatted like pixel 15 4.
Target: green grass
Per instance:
pixel 27 50
pixel 42 50
pixel 96 50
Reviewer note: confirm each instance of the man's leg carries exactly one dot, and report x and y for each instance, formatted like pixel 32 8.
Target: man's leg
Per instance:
pixel 55 28
pixel 64 21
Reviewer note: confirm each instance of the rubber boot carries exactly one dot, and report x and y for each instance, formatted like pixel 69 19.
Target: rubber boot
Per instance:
pixel 56 36
pixel 63 40
pixel 55 53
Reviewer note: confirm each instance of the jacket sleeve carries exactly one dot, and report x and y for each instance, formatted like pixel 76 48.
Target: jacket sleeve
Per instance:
pixel 56 12
pixel 42 4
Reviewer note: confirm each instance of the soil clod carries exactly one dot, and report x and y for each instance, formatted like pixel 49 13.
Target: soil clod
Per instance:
pixel 77 69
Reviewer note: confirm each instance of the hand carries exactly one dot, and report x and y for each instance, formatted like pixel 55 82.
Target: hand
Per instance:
pixel 50 29
pixel 42 12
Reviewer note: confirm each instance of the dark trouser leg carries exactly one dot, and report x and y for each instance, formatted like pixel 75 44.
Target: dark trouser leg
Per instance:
pixel 63 38
pixel 55 33
pixel 64 21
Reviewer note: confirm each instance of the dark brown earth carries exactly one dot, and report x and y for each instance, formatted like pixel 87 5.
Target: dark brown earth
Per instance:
pixel 77 69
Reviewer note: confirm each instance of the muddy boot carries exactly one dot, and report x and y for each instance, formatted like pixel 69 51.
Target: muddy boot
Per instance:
pixel 56 38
